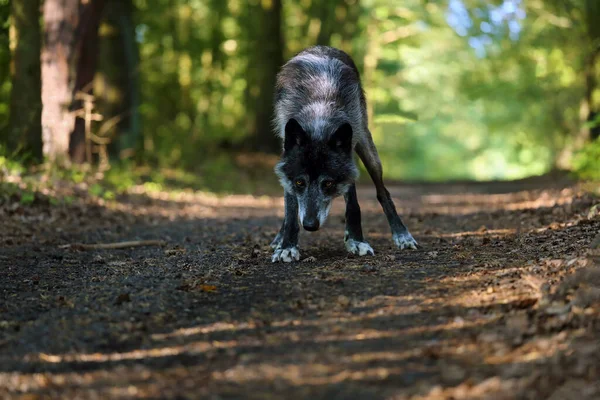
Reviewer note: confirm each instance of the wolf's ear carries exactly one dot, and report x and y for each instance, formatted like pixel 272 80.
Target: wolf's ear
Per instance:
pixel 294 135
pixel 342 138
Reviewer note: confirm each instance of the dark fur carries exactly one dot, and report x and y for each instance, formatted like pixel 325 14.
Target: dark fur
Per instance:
pixel 321 116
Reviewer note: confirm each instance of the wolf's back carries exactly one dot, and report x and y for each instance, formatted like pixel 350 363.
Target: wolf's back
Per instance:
pixel 320 87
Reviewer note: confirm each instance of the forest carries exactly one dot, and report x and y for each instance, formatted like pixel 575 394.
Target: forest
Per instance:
pixel 457 89
pixel 148 251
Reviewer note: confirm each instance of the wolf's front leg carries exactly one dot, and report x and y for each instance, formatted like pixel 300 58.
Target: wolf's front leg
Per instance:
pixel 400 234
pixel 353 238
pixel 286 241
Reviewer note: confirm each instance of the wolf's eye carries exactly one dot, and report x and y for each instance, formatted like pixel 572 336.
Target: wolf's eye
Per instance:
pixel 327 184
pixel 300 183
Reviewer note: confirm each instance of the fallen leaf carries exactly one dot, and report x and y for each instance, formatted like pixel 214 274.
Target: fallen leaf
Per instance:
pixel 208 288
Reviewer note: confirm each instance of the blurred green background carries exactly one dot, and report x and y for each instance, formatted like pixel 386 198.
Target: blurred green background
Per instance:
pixel 457 89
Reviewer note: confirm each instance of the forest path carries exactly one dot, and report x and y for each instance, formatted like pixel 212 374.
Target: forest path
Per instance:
pixel 477 312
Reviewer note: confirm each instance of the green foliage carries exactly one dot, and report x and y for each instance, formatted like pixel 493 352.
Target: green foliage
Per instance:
pixel 485 103
pixel 440 112
pixel 586 163
pixel 192 100
pixel 100 191
pixel 27 198
pixel 10 163
pixel 220 174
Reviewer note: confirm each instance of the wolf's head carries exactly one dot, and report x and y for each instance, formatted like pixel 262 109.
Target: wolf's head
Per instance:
pixel 316 171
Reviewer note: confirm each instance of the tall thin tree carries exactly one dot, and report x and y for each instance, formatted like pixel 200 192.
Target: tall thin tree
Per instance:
pixel 60 24
pixel 25 130
pixel 118 68
pixel 265 60
pixel 592 22
pixel 87 50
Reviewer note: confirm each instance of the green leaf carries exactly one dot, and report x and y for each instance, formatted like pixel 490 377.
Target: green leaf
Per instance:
pixel 27 198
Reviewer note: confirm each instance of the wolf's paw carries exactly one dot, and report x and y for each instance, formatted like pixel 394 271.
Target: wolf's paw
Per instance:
pixel 358 248
pixel 286 255
pixel 405 241
pixel 276 243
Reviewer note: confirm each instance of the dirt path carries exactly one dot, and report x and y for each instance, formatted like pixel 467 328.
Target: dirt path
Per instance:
pixel 477 312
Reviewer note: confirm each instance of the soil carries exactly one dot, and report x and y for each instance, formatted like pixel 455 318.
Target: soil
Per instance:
pixel 502 300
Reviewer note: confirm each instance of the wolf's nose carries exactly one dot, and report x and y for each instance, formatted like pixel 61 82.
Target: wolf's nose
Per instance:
pixel 311 225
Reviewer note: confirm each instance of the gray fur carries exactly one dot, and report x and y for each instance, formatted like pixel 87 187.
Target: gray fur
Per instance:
pixel 321 92
pixel 320 113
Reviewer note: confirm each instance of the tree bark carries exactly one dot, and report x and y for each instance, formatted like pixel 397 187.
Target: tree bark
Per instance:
pixel 130 141
pixel 60 24
pixel 118 96
pixel 350 29
pixel 217 37
pixel 327 17
pixel 592 22
pixel 25 129
pixel 591 84
pixel 268 58
pixel 87 50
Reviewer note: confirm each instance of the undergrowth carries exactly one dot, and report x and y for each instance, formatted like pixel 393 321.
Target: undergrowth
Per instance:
pixel 586 163
pixel 222 175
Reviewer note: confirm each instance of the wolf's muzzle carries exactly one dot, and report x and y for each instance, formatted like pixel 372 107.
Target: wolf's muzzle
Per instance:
pixel 311 224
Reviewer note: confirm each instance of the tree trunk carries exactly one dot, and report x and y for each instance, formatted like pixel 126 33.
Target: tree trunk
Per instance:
pixel 217 37
pixel 25 129
pixel 87 50
pixel 117 95
pixel 268 58
pixel 592 22
pixel 60 23
pixel 351 29
pixel 327 17
pixel 131 125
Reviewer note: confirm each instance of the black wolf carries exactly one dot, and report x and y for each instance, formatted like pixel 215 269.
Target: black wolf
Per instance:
pixel 320 113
